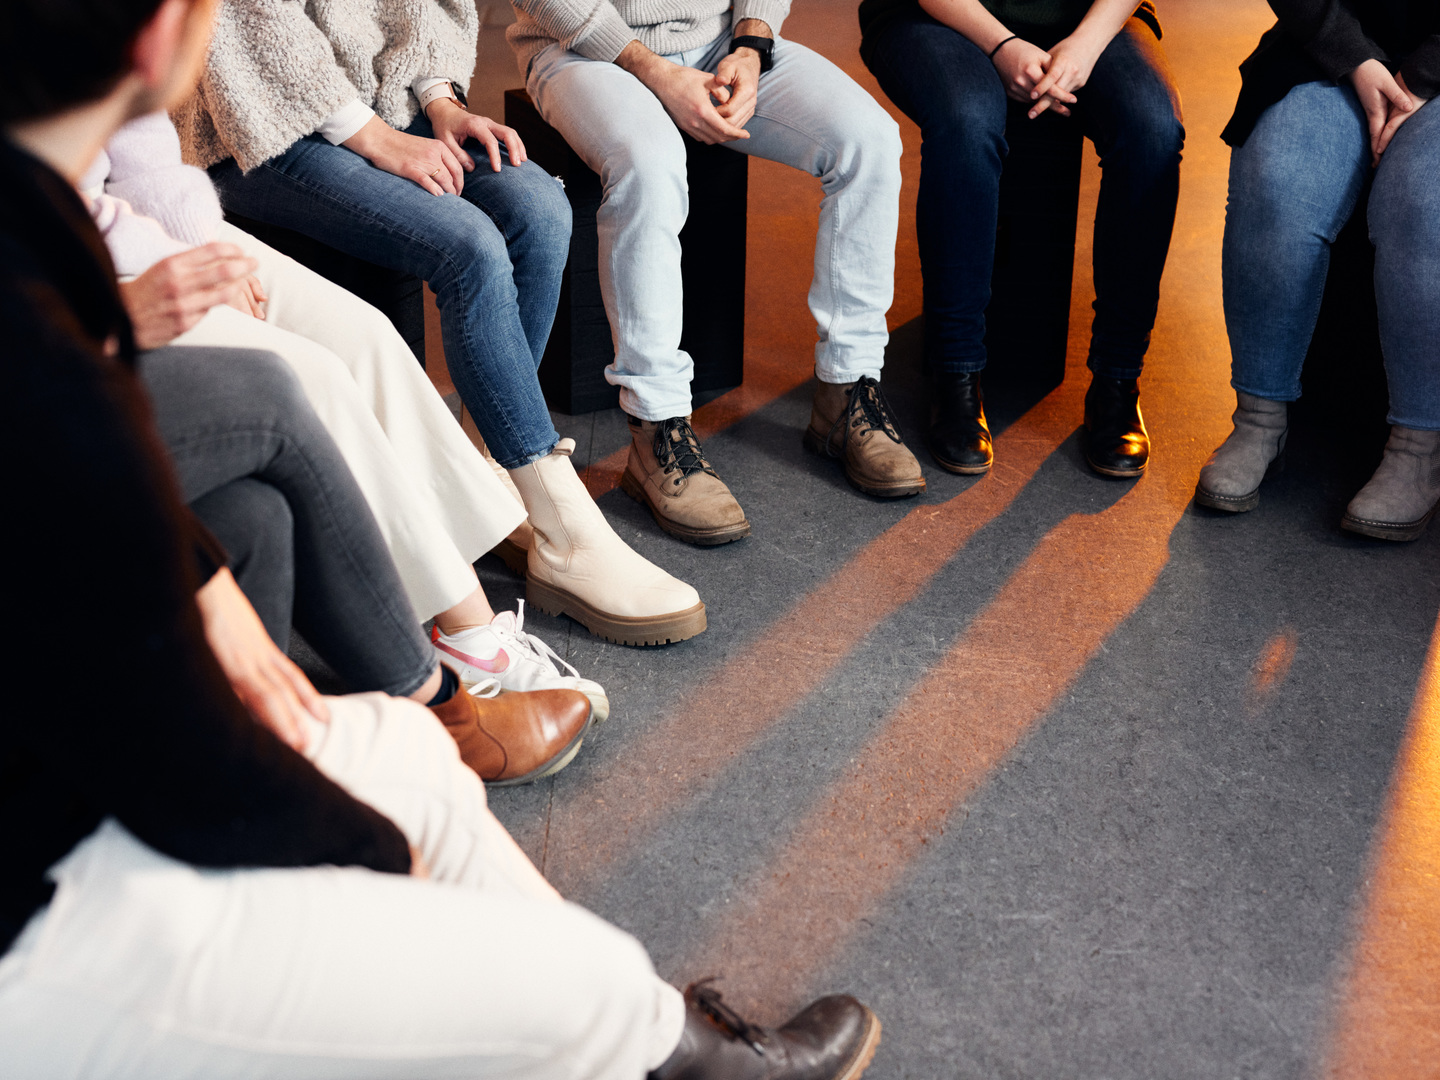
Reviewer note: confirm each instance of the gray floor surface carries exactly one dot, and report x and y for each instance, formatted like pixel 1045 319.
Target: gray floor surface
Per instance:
pixel 1154 869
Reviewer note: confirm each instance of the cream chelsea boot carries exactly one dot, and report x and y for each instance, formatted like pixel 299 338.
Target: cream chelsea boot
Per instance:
pixel 577 566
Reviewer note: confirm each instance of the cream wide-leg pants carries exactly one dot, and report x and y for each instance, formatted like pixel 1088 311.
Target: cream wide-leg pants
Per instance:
pixel 147 968
pixel 438 504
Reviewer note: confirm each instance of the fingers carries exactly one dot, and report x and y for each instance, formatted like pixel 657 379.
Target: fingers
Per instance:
pixel 514 146
pixel 310 699
pixel 492 149
pixel 1043 86
pixel 1388 132
pixel 1041 106
pixel 453 171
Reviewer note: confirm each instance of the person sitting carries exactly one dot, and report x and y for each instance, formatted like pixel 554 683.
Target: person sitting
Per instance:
pixel 436 499
pixel 186 894
pixel 1333 102
pixel 620 80
pixel 260 471
pixel 342 121
pixel 950 65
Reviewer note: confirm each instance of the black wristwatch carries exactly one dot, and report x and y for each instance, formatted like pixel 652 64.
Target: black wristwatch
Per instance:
pixel 763 45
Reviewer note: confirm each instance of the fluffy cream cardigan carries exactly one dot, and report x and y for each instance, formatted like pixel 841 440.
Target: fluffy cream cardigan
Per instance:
pixel 278 68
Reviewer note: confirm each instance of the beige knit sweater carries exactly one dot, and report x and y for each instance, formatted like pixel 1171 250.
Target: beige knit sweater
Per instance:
pixel 278 68
pixel 600 29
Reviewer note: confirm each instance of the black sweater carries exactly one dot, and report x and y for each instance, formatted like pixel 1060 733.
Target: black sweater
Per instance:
pixel 1316 40
pixel 114 704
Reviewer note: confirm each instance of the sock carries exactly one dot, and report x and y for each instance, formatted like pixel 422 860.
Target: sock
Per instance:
pixel 449 685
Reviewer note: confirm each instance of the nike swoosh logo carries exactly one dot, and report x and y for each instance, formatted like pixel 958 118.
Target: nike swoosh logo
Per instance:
pixel 495 665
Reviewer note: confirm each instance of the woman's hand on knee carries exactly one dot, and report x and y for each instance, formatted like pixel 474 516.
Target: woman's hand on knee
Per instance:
pixel 454 124
pixel 427 162
pixel 174 294
pixel 1397 116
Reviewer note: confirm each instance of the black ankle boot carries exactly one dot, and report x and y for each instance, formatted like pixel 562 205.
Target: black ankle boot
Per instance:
pixel 831 1039
pixel 959 437
pixel 1116 443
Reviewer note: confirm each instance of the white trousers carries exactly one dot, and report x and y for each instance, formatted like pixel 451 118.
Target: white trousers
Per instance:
pixel 147 968
pixel 438 504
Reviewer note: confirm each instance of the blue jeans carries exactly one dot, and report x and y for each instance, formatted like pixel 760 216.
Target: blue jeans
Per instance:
pixel 1129 109
pixel 493 257
pixel 1293 185
pixel 809 115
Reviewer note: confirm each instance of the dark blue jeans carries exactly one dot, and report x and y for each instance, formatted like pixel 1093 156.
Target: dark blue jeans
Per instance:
pixel 493 257
pixel 1129 109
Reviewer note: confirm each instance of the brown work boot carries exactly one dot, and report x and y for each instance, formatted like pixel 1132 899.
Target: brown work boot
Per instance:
pixel 667 472
pixel 852 422
pixel 833 1038
pixel 515 738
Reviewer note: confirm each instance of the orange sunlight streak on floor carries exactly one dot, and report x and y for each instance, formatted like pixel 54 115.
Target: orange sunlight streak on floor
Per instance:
pixel 799 652
pixel 1034 639
pixel 1388 1021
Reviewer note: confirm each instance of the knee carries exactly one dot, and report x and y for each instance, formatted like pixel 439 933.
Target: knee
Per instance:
pixel 870 145
pixel 1404 207
pixel 548 217
pixel 648 173
pixel 1151 137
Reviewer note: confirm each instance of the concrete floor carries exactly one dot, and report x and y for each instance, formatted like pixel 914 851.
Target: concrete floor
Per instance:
pixel 1061 775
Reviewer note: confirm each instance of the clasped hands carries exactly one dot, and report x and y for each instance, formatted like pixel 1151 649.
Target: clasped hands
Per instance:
pixel 1387 102
pixel 1047 80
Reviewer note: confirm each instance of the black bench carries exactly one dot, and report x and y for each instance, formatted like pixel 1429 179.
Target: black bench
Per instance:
pixel 572 374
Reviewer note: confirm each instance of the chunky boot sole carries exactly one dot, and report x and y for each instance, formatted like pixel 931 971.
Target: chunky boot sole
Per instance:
pixel 621 629
pixel 1387 530
pixel 865 1052
pixel 723 534
pixel 554 765
pixel 513 556
pixel 881 489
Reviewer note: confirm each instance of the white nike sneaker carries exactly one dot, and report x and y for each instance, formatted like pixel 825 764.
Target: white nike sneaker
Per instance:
pixel 520 661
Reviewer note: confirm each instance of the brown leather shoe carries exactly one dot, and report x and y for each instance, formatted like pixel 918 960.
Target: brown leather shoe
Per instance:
pixel 667 472
pixel 852 422
pixel 515 738
pixel 831 1039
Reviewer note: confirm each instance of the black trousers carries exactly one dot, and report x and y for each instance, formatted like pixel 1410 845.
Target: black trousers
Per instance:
pixel 260 470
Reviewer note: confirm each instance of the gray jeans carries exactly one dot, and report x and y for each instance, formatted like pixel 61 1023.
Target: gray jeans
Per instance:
pixel 259 469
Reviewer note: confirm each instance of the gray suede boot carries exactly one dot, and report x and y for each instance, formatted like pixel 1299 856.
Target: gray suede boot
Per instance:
pixel 1400 498
pixel 1231 478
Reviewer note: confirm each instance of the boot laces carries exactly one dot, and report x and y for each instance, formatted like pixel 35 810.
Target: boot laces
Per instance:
pixel 705 998
pixel 867 404
pixel 676 447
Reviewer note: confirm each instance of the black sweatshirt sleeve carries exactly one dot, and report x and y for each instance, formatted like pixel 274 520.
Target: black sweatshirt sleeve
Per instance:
pixel 134 710
pixel 1422 69
pixel 1329 33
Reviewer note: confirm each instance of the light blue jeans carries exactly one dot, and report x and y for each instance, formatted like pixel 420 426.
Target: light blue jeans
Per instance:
pixel 810 115
pixel 1293 186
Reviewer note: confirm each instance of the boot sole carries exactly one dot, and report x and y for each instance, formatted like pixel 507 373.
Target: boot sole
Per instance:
pixel 1386 530
pixel 1231 504
pixel 620 629
pixel 699 537
pixel 512 555
pixel 1116 474
pixel 555 764
pixel 866 1051
pixel 961 470
pixel 897 489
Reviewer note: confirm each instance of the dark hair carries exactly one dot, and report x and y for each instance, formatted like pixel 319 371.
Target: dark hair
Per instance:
pixel 55 54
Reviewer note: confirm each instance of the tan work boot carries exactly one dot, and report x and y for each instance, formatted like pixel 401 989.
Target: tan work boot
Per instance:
pixel 852 422
pixel 667 472
pixel 577 566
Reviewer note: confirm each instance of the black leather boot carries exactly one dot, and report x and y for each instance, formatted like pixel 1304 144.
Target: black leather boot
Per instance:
pixel 831 1039
pixel 959 437
pixel 1116 442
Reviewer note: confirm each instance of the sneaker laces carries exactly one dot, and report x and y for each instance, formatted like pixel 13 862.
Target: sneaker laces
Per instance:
pixel 533 647
pixel 486 688
pixel 867 399
pixel 706 999
pixel 676 447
